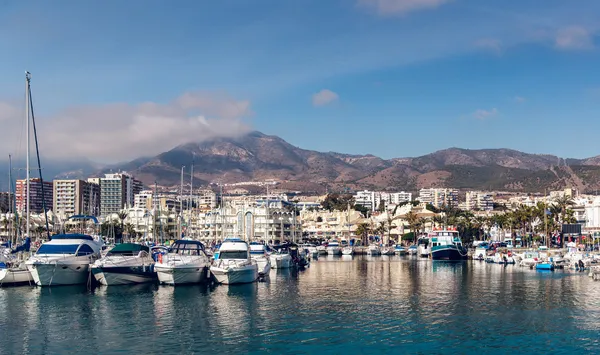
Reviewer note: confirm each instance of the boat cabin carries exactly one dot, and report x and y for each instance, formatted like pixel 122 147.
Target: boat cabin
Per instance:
pixel 444 237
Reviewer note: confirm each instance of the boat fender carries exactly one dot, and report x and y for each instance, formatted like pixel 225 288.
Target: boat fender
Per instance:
pixel 160 258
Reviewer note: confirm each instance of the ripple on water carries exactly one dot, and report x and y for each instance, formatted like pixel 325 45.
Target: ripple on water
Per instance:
pixel 361 305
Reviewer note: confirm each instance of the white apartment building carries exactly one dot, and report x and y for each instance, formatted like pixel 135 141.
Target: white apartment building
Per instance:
pixel 74 197
pixel 373 199
pixel 479 200
pixel 117 191
pixel 439 197
pixel 143 199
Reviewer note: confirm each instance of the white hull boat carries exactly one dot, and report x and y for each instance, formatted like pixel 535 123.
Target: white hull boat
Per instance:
pixel 281 261
pixel 15 276
pixel 258 252
pixel 125 264
pixel 347 251
pixel 186 263
pixel 234 265
pixel 64 260
pixel 373 250
pixel 334 249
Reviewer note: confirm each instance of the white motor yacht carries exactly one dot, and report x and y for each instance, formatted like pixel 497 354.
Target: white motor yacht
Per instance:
pixel 64 260
pixel 258 252
pixel 185 263
pixel 347 250
pixel 333 248
pixel 373 250
pixel 280 257
pixel 126 263
pixel 234 265
pixel 322 249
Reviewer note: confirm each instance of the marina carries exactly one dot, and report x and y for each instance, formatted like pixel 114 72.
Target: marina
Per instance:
pixel 411 304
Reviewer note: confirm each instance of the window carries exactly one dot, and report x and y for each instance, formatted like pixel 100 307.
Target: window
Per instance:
pixel 58 249
pixel 85 250
pixel 235 254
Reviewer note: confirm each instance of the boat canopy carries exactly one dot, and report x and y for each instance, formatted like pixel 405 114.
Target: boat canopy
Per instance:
pixel 72 236
pixel 128 249
pixel 187 245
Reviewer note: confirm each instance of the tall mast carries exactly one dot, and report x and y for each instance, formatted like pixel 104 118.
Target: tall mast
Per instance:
pixel 267 217
pixel 27 79
pixel 180 204
pixel 190 202
pixel 10 206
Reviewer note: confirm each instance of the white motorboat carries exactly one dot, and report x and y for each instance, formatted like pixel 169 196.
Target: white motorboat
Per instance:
pixel 503 258
pixel 388 251
pixel 400 249
pixel 258 252
pixel 234 265
pixel 281 257
pixel 185 263
pixel 322 249
pixel 333 248
pixel 13 271
pixel 126 263
pixel 480 252
pixel 373 250
pixel 64 260
pixel 311 249
pixel 423 247
pixel 347 250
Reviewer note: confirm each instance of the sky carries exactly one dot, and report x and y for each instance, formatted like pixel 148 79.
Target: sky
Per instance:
pixel 116 80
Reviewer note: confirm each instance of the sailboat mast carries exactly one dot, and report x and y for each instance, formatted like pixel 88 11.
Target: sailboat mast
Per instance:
pixel 10 206
pixel 27 182
pixel 179 229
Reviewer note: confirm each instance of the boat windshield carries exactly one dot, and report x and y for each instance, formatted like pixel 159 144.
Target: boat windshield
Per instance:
pixel 71 249
pixel 233 254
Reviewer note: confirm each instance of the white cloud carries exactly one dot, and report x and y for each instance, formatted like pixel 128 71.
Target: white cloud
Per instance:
pixel 485 114
pixel 520 99
pixel 573 38
pixel 324 97
pixel 121 131
pixel 490 44
pixel 400 7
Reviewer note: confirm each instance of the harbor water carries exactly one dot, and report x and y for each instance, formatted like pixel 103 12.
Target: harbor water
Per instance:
pixel 338 305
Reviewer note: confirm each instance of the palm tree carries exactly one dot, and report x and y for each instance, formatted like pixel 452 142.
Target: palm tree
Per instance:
pixel 363 230
pixel 122 215
pixel 130 230
pixel 413 221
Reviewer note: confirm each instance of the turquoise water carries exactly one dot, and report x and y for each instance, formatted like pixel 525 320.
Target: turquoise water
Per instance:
pixel 338 305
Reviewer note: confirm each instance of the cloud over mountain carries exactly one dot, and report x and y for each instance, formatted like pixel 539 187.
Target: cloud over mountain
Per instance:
pixel 122 131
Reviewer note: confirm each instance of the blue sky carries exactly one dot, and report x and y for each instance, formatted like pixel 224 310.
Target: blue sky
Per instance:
pixel 388 77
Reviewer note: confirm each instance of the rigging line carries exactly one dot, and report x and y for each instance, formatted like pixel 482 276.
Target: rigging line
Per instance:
pixel 37 151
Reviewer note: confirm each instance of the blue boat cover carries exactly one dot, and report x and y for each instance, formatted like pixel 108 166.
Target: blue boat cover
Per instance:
pixel 72 236
pixel 24 247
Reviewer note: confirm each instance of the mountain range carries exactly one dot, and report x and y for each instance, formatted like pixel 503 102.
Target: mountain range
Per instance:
pixel 258 157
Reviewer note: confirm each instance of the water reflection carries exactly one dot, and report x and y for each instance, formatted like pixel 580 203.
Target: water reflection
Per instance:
pixel 339 304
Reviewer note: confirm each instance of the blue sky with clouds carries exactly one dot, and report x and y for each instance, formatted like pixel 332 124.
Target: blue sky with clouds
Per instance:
pixel 387 77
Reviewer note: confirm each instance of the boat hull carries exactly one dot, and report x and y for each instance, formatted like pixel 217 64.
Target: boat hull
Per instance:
pixel 59 274
pixel 181 275
pixel 334 251
pixel 264 265
pixel 127 275
pixel 448 252
pixel 281 261
pixel 232 276
pixel 15 277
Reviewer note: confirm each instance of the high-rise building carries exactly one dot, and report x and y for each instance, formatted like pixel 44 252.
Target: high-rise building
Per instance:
pixel 439 197
pixel 74 197
pixel 5 201
pixel 37 199
pixel 478 200
pixel 143 200
pixel 117 191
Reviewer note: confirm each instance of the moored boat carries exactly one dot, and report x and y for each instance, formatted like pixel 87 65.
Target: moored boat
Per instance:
pixel 400 249
pixel 126 263
pixel 280 257
pixel 64 260
pixel 234 265
pixel 258 252
pixel 333 248
pixel 446 245
pixel 185 263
